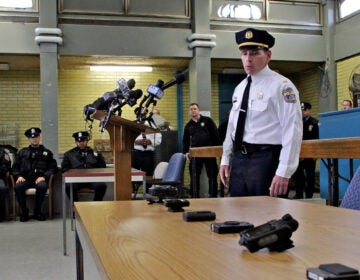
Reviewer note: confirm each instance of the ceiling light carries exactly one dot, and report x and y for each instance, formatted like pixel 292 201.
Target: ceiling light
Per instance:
pixel 117 68
pixel 4 66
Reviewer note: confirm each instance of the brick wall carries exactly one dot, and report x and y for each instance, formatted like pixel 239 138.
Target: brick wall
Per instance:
pixel 344 70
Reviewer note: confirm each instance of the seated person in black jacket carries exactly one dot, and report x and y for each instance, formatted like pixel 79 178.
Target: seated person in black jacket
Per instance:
pixel 5 166
pixel 33 167
pixel 82 157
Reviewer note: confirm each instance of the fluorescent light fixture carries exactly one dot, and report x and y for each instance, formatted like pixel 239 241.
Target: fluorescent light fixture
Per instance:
pixel 118 68
pixel 4 66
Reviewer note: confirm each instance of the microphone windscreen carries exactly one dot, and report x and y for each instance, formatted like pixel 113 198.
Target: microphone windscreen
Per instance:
pixel 131 83
pixel 180 77
pixel 136 93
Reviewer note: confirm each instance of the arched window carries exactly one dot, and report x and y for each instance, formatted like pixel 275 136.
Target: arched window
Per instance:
pixel 348 7
pixel 240 10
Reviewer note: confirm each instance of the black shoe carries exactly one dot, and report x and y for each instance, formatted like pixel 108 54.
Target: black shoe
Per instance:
pixel 24 217
pixel 39 217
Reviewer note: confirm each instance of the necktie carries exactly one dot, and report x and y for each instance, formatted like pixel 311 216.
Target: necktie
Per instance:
pixel 242 116
pixel 144 137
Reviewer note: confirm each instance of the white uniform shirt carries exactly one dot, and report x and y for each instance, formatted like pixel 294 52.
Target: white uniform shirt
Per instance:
pixel 155 139
pixel 273 117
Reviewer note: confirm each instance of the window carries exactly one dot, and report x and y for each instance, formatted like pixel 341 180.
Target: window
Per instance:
pixel 14 5
pixel 348 7
pixel 243 9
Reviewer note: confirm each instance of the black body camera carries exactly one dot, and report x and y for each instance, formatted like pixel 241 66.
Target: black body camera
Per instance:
pixel 176 205
pixel 230 227
pixel 198 216
pixel 332 271
pixel 274 234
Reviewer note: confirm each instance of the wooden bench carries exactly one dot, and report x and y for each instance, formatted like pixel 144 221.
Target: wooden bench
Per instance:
pixel 328 150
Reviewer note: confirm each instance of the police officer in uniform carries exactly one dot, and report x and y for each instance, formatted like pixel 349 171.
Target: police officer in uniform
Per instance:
pixel 32 167
pixel 82 157
pixel 305 173
pixel 265 153
pixel 5 166
pixel 201 131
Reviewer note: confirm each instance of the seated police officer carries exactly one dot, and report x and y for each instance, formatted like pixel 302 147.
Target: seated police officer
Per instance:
pixel 33 167
pixel 82 157
pixel 5 166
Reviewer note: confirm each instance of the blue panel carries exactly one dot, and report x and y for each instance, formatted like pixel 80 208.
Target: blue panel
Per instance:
pixel 338 124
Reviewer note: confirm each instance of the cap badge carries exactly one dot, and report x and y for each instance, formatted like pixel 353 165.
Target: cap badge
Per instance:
pixel 33 130
pixel 248 35
pixel 80 134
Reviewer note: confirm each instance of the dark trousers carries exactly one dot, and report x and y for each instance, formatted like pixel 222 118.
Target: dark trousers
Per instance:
pixel 252 174
pixel 143 161
pixel 20 189
pixel 3 194
pixel 99 189
pixel 212 171
pixel 305 178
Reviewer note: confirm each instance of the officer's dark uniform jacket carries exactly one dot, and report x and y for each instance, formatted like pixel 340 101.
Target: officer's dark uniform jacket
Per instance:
pixel 201 133
pixel 32 163
pixel 81 159
pixel 5 165
pixel 310 129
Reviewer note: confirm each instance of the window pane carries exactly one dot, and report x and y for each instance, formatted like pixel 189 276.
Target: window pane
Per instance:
pixel 348 7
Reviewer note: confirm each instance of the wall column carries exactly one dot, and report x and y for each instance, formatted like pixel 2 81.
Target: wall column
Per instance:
pixel 48 37
pixel 328 89
pixel 202 42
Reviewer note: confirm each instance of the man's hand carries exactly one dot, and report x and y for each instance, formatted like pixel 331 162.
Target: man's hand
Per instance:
pixel 39 179
pixel 224 174
pixel 279 186
pixel 20 180
pixel 187 155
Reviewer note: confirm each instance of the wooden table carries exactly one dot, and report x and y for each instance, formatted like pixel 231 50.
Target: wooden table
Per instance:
pixel 326 149
pixel 91 175
pixel 134 240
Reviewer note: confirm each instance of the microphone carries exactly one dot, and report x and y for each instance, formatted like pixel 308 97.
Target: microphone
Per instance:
pixel 156 91
pixel 134 95
pixel 178 79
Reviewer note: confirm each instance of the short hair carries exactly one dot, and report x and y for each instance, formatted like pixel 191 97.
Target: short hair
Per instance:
pixel 194 104
pixel 347 100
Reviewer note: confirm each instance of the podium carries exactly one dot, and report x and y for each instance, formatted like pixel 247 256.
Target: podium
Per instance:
pixel 122 136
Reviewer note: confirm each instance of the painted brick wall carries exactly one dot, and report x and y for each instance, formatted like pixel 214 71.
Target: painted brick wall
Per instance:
pixel 344 70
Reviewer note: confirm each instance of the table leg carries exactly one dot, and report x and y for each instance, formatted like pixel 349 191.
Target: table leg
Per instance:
pixel 144 187
pixel 336 183
pixel 194 186
pixel 63 196
pixel 71 207
pixel 79 258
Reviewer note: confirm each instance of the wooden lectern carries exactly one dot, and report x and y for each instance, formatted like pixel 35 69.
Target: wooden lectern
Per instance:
pixel 122 136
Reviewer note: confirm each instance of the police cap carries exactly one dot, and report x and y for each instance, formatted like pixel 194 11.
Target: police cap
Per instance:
pixel 32 132
pixel 81 136
pixel 251 37
pixel 305 105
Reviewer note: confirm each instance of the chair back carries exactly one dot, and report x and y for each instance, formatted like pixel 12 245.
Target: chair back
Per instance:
pixel 175 169
pixel 160 170
pixel 351 197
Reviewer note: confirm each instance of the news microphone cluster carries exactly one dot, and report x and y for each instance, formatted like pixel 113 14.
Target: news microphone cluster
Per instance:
pixel 155 92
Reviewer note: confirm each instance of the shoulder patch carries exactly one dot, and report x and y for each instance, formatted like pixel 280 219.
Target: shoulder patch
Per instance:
pixel 289 95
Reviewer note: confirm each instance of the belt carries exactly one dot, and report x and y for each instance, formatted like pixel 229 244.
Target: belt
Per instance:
pixel 247 148
pixel 146 151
